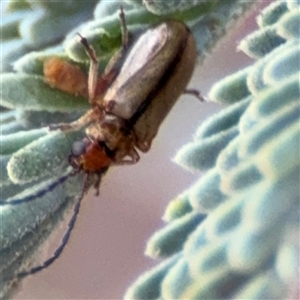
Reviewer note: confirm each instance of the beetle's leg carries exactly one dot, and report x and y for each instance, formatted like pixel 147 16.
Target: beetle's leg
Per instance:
pixel 134 158
pixel 93 71
pixel 84 120
pixel 195 93
pixel 144 146
pixel 123 28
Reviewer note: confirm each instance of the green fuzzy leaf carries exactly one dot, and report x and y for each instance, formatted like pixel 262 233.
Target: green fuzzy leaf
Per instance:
pixel 43 27
pixel 281 155
pixel 11 127
pixel 251 250
pixel 47 156
pixel 288 26
pixel 225 119
pixel 202 155
pixel 274 201
pixel 286 260
pixel 242 177
pixel 8 56
pixel 272 13
pixel 4 159
pixel 264 286
pixel 148 285
pixel 277 97
pixel 262 42
pixel 9 25
pixel 37 95
pixel 33 62
pixel 265 131
pixel 285 66
pixel 169 240
pixel 177 208
pixel 14 142
pixel 176 281
pixel 231 89
pixel 204 196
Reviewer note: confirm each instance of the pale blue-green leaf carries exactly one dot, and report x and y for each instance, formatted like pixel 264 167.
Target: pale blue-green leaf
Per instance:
pixel 148 286
pixel 231 89
pixel 277 97
pixel 223 120
pixel 11 127
pixel 107 8
pixel 205 195
pixel 14 142
pixel 274 201
pixel 281 155
pixel 33 62
pixel 218 284
pixel 170 239
pixel 250 250
pixel 256 81
pixel 177 279
pixel 43 27
pixel 269 128
pixel 286 260
pixel 8 56
pixel 240 178
pixel 177 208
pixel 272 13
pixel 289 25
pixel 47 156
pixel 7 117
pixel 31 92
pixel 228 158
pixel 176 6
pixel 17 220
pixel 263 286
pixel 202 155
pixel 293 4
pixel 260 43
pixel 285 66
pixel 208 259
pixel 4 179
pixel 9 26
pixel 10 6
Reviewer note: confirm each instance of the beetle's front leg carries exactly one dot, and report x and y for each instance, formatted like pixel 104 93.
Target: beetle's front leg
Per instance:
pixel 84 120
pixel 93 71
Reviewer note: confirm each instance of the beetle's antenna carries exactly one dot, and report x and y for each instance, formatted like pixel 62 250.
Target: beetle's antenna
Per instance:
pixel 63 243
pixel 38 193
pixel 93 72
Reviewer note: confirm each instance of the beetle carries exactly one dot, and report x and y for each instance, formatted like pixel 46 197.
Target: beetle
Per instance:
pixel 132 97
pixel 129 101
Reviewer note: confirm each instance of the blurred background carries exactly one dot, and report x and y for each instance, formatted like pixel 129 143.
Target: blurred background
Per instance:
pixel 105 253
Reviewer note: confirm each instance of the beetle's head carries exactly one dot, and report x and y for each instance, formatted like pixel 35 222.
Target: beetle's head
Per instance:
pixel 91 156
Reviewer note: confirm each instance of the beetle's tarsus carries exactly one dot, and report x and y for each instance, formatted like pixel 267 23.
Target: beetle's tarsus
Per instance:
pixel 195 93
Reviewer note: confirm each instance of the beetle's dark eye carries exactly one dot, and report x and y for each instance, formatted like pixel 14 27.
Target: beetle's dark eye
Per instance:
pixel 79 148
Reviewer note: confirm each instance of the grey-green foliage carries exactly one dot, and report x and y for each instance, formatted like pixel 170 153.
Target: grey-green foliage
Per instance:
pixel 33 160
pixel 247 247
